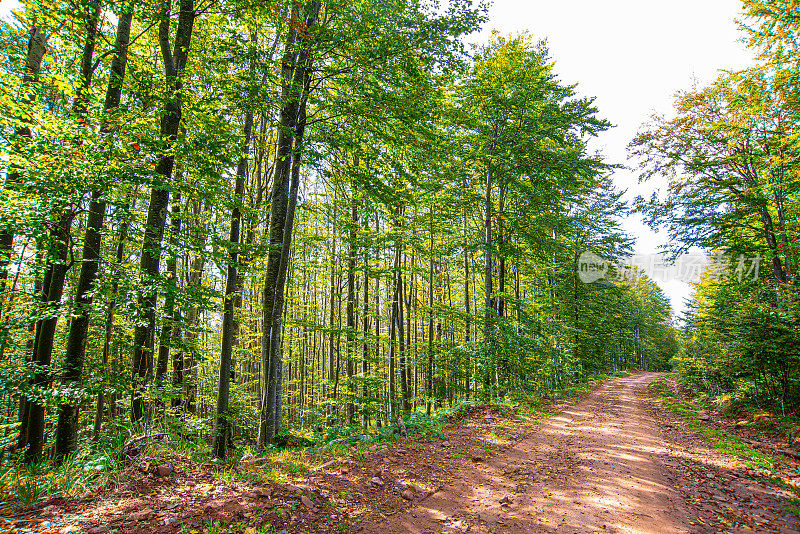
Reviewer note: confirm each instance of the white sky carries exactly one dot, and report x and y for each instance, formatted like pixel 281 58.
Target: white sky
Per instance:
pixel 6 6
pixel 633 55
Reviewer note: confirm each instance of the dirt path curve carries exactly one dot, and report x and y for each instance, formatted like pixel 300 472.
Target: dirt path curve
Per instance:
pixel 593 468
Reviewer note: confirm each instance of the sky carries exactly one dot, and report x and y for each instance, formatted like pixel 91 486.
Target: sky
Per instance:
pixel 6 6
pixel 632 55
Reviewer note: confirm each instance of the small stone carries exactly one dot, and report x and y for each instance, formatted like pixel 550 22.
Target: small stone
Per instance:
pixel 477 458
pixel 408 495
pixel 71 529
pixel 169 520
pixel 328 464
pixel 505 500
pixel 232 506
pixel 742 423
pixel 374 447
pixel 308 503
pixel 51 510
pixel 141 515
pixel 703 416
pixel 99 529
pixel 375 481
pixel 163 470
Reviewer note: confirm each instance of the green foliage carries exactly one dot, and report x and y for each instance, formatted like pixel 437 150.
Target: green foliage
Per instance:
pixel 403 127
pixel 730 154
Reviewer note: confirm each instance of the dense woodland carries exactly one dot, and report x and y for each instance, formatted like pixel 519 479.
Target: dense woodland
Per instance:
pixel 730 152
pixel 232 220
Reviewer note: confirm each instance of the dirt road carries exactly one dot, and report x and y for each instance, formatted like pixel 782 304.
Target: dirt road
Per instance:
pixel 602 465
pixel 614 461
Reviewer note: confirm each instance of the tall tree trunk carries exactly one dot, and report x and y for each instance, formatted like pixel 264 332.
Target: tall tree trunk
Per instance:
pixel 331 318
pixel 365 327
pixel 296 71
pixel 392 404
pixel 45 333
pixel 222 423
pixel 170 320
pixel 35 51
pixel 194 280
pixel 401 338
pixel 174 65
pixel 351 298
pixel 501 260
pixel 429 391
pixel 407 355
pixel 109 324
pixel 487 266
pixel 467 319
pixel 67 430
pixel 277 219
pixel 276 376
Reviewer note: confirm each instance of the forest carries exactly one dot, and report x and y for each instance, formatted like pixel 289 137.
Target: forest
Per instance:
pixel 730 153
pixel 235 221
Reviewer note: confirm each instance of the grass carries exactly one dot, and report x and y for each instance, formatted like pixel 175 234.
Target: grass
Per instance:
pixel 24 485
pixel 728 443
pixel 92 470
pixel 769 465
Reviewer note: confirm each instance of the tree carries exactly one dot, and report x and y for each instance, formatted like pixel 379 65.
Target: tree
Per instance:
pixel 174 61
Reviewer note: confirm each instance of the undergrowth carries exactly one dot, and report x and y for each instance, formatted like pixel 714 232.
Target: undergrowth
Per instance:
pixel 93 470
pixel 767 463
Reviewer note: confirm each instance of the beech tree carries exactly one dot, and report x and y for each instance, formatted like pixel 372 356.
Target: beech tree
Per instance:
pixel 328 216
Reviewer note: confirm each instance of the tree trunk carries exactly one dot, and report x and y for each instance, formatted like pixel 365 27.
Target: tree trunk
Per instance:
pixel 277 220
pixel 430 322
pixel 487 266
pixel 174 64
pixel 222 423
pixel 351 298
pixel 170 320
pixel 46 332
pixel 296 80
pixel 365 327
pixel 186 372
pixel 109 325
pixel 67 430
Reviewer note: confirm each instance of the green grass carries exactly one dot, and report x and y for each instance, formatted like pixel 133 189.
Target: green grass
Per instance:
pixel 795 509
pixel 721 440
